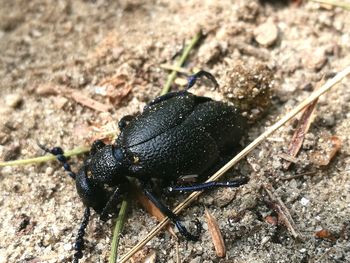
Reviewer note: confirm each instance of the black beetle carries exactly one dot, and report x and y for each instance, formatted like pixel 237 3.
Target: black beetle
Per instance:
pixel 177 134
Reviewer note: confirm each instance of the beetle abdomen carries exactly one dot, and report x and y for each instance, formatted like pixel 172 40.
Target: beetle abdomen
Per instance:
pixel 210 131
pixel 181 150
pixel 157 119
pixel 223 122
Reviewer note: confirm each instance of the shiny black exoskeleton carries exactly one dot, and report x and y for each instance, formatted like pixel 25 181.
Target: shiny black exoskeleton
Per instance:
pixel 177 134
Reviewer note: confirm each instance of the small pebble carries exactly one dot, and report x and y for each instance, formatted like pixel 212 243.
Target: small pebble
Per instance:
pixel 304 201
pixel 196 260
pixel 13 100
pixel 316 59
pixel 266 34
pixel 67 247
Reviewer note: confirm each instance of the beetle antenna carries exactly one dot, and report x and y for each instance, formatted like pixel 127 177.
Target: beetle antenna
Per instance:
pixel 193 78
pixel 58 152
pixel 79 243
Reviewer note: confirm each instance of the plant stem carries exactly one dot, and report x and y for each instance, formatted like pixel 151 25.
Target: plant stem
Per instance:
pixel 45 158
pixel 117 231
pixel 340 4
pixel 181 61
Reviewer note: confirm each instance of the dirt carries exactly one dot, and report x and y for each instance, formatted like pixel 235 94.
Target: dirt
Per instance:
pixel 53 49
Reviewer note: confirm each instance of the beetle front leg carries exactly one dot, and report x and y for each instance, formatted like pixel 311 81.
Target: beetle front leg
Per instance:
pixel 173 217
pixel 164 97
pixel 113 201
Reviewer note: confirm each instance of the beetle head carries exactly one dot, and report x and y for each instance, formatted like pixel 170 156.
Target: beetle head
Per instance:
pixel 101 172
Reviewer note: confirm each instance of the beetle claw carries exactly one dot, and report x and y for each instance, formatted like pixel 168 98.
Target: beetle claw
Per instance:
pixel 182 229
pixel 193 78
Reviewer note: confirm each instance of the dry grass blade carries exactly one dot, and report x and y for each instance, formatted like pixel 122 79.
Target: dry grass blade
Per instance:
pixel 340 4
pixel 282 210
pixel 175 68
pixel 216 235
pixel 181 61
pixel 45 158
pixel 328 85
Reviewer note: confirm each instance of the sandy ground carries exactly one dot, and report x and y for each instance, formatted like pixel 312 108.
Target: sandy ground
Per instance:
pixel 48 47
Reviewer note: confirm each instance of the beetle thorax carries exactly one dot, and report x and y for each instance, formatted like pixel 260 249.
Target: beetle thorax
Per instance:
pixel 106 165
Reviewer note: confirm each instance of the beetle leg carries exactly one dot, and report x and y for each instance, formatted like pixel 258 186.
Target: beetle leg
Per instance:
pixel 111 202
pixel 79 242
pixel 173 217
pixel 193 78
pixel 58 152
pixel 164 97
pixel 191 81
pixel 124 121
pixel 209 185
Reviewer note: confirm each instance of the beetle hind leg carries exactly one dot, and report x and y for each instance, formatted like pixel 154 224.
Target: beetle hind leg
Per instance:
pixel 193 79
pixel 209 185
pixel 173 217
pixel 164 97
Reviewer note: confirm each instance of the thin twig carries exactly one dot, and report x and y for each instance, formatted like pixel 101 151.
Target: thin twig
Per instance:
pixel 45 158
pixel 181 61
pixel 282 210
pixel 329 84
pixel 175 68
pixel 340 4
pixel 117 231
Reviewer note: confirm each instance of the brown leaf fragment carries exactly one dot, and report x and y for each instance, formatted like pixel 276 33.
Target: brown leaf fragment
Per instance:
pixel 116 88
pixel 60 102
pixel 52 89
pixel 324 156
pixel 325 234
pixel 146 255
pixel 272 220
pixel 150 207
pixel 302 128
pixel 216 236
pixel 300 132
pixel 151 257
pixel 282 211
pixel 47 89
pixel 88 102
